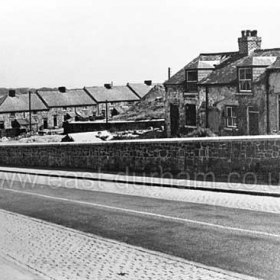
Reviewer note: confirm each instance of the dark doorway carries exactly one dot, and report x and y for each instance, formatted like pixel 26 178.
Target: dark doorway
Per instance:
pixel 174 119
pixel 190 114
pixel 45 123
pixel 253 122
pixel 278 113
pixel 54 121
pixel 214 120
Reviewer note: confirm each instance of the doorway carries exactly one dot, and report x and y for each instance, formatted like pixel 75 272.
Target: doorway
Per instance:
pixel 190 110
pixel 174 119
pixel 253 119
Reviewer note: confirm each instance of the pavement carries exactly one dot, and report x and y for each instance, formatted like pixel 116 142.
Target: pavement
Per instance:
pixel 9 270
pixel 227 187
pixel 200 192
pixel 57 252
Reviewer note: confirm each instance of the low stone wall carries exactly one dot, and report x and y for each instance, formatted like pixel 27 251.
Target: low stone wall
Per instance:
pixel 225 158
pixel 74 127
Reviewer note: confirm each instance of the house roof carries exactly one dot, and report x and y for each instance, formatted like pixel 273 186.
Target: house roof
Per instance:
pixel 114 94
pixel 226 72
pixel 20 103
pixel 258 60
pixel 203 61
pixel 275 64
pixel 140 89
pixel 70 98
pixel 25 122
pixel 224 65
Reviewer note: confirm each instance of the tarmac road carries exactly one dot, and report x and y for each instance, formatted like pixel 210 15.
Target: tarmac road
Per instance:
pixel 233 239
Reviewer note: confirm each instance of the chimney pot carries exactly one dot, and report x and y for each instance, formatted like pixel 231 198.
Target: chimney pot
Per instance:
pixel 12 92
pixel 249 42
pixel 254 33
pixel 148 82
pixel 62 89
pixel 108 86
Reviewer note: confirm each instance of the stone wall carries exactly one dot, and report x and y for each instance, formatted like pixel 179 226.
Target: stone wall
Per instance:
pixel 74 127
pixel 224 158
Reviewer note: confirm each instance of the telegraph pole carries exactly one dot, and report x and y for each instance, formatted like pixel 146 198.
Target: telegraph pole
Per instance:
pixel 30 123
pixel 106 111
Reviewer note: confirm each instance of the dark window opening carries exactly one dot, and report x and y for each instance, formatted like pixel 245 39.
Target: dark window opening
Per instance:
pixel 191 81
pixel 190 114
pixel 54 120
pixel 191 76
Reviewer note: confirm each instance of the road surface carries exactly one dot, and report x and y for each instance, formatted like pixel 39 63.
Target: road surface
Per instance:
pixel 237 240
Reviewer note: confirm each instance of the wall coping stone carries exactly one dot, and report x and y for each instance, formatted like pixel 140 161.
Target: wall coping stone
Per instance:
pixel 144 141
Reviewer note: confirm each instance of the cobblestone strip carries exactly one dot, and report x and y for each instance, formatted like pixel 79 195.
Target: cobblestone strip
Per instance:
pixel 61 253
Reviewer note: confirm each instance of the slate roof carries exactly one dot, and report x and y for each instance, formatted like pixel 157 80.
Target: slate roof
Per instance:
pixel 203 61
pixel 276 64
pixel 115 94
pixel 226 73
pixel 140 89
pixel 25 122
pixel 225 65
pixel 70 98
pixel 20 103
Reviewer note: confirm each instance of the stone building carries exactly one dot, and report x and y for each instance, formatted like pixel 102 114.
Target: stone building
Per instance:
pixel 64 104
pixel 116 99
pixel 15 109
pixel 232 93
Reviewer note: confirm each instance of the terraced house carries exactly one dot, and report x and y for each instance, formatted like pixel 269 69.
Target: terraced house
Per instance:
pixel 66 104
pixel 117 99
pixel 15 111
pixel 232 93
pixel 50 108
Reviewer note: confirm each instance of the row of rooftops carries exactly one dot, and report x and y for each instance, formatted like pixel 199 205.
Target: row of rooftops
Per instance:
pixel 224 65
pixel 63 97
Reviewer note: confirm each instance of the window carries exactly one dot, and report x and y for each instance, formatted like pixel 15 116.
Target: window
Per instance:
pixel 231 116
pixel 192 79
pixel 12 115
pixel 245 79
pixel 34 112
pixel 64 108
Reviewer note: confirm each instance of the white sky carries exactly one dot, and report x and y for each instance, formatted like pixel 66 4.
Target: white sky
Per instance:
pixel 91 42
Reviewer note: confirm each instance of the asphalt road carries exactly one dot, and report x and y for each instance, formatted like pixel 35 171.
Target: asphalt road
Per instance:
pixel 242 241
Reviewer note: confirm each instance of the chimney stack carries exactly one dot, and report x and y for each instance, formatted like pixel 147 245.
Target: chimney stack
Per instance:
pixel 12 92
pixel 62 89
pixel 109 86
pixel 249 41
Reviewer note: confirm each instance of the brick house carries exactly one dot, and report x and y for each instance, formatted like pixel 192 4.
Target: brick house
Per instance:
pixel 232 93
pixel 64 104
pixel 15 108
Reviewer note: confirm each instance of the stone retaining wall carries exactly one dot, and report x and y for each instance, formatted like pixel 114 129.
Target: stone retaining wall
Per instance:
pixel 212 157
